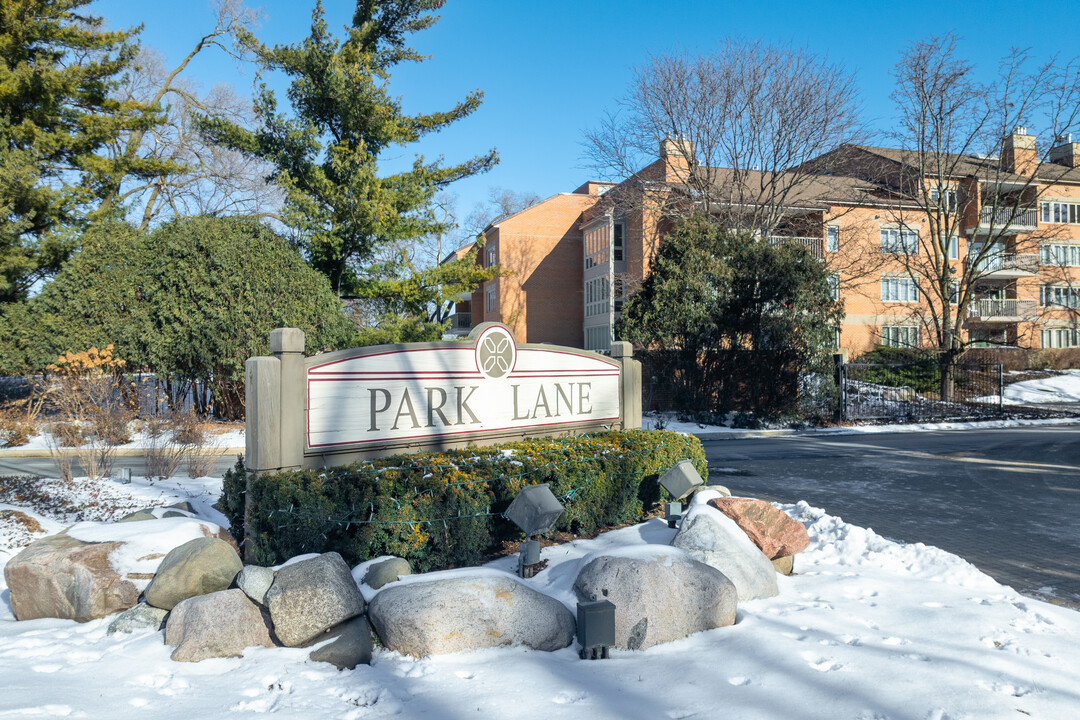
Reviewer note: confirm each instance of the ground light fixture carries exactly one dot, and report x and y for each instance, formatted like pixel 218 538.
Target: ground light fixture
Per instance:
pixel 534 510
pixel 679 480
pixel 595 628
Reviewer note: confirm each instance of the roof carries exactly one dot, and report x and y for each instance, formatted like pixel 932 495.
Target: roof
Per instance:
pixel 982 166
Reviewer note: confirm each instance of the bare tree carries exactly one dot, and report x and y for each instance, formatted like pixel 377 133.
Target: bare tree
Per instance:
pixel 746 121
pixel 195 176
pixel 965 167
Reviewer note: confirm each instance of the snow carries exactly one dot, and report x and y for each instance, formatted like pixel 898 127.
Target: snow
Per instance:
pixel 223 439
pixel 867 628
pixel 143 545
pixel 1063 388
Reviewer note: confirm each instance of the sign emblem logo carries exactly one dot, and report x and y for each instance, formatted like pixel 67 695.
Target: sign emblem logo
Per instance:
pixel 496 353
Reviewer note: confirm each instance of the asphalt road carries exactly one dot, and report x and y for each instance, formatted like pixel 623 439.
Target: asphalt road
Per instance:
pixel 1007 500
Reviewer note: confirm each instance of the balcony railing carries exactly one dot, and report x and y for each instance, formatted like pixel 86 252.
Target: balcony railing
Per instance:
pixel 461 321
pixel 815 245
pixel 1002 310
pixel 1009 220
pixel 1009 265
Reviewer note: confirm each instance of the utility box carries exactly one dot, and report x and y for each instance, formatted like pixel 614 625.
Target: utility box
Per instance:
pixel 595 628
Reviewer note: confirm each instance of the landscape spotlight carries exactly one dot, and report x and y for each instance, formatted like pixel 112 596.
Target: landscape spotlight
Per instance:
pixel 680 479
pixel 534 510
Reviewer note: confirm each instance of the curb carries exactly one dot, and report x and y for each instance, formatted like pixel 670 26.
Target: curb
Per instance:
pixel 892 429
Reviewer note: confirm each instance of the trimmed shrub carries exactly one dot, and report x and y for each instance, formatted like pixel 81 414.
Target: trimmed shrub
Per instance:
pixel 443 510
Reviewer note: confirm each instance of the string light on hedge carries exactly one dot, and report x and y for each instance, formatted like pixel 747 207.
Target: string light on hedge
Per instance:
pixel 495 462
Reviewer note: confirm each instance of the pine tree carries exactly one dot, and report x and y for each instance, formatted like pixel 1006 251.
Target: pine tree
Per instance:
pixel 344 119
pixel 58 68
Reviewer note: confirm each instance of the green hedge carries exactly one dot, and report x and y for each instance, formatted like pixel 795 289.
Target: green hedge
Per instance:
pixel 443 510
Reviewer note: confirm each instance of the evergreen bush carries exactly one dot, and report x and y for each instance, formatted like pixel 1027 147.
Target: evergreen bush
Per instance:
pixel 443 509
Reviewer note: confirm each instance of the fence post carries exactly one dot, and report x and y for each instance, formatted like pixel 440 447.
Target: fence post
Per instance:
pixel 1001 390
pixel 838 378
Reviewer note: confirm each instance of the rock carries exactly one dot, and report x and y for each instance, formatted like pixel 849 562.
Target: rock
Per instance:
pixel 784 565
pixel 60 576
pixel 350 646
pixel 770 528
pixel 197 567
pixel 157 513
pixel 714 539
pixel 140 617
pixel 217 625
pixel 138 516
pixel 92 569
pixel 255 581
pixel 310 596
pixel 385 570
pixel 721 489
pixel 660 594
pixel 456 611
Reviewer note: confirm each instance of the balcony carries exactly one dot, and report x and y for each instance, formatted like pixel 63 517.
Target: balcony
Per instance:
pixel 815 245
pixel 1002 311
pixel 999 266
pixel 461 323
pixel 1008 221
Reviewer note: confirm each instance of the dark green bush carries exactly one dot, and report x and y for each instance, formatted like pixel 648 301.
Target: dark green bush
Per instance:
pixel 442 510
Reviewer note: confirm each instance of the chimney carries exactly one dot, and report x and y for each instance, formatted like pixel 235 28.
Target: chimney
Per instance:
pixel 678 155
pixel 1065 152
pixel 1018 153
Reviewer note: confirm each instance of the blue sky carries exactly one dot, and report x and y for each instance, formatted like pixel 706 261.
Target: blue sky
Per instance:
pixel 551 70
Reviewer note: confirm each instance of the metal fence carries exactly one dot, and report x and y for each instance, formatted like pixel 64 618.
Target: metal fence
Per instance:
pixel 914 391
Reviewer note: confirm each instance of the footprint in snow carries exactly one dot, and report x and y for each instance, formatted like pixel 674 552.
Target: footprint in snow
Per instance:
pixel 464 674
pixel 738 680
pixel 821 664
pixel 569 698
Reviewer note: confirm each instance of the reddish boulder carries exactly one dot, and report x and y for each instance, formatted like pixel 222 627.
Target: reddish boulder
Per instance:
pixel 771 529
pixel 62 577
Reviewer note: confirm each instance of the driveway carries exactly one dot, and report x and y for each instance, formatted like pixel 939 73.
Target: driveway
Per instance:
pixel 1005 500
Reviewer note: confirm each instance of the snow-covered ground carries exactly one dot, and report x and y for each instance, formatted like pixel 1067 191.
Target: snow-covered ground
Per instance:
pixel 1062 388
pixel 868 628
pixel 222 437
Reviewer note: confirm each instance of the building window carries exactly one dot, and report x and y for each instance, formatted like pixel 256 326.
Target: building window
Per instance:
pixel 832 238
pixel 491 256
pixel 899 289
pixel 617 245
pixel 598 338
pixel 1059 255
pixel 491 304
pixel 1059 296
pixel 834 287
pixel 596 297
pixel 899 241
pixel 900 336
pixel 953 249
pixel 954 293
pixel 596 246
pixel 985 338
pixel 1060 212
pixel 1058 338
pixel 619 293
pixel 950 199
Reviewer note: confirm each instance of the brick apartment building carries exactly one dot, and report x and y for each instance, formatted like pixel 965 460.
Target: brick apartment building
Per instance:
pixel 570 260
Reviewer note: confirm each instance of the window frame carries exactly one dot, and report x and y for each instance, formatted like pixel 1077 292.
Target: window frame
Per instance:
pixel 912 289
pixel 832 238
